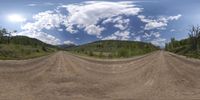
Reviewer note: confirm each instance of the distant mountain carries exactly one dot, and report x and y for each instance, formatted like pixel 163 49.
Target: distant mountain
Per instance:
pixel 66 46
pixel 113 48
pixel 21 47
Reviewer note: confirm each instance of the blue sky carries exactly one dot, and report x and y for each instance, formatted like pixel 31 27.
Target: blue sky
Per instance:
pixel 81 21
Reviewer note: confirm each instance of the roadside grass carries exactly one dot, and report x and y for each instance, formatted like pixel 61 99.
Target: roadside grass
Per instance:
pixel 113 49
pixel 186 51
pixel 108 55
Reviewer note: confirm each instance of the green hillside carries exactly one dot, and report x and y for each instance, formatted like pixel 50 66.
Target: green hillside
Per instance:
pixel 113 49
pixel 189 47
pixel 21 47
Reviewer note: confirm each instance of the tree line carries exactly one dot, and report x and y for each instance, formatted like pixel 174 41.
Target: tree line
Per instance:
pixel 114 48
pixel 5 36
pixel 188 45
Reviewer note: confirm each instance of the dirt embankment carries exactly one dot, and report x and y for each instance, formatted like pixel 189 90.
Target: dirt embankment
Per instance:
pixel 62 76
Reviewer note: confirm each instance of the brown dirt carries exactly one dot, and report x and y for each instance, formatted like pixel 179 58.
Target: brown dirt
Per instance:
pixel 63 76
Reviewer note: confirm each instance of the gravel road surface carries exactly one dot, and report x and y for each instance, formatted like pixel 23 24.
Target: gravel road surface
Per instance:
pixel 63 76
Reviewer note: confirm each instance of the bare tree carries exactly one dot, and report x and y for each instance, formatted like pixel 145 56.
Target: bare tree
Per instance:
pixel 194 37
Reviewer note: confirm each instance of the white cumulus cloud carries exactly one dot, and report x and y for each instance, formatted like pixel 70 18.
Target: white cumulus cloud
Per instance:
pixel 85 15
pixel 68 42
pixel 92 17
pixel 159 23
pixel 32 5
pixel 44 37
pixel 94 30
pixel 125 35
pixel 159 42
pixel 44 20
pixel 138 38
pixel 119 22
pixel 88 14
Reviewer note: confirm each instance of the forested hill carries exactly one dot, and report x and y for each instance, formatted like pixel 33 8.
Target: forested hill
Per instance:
pixel 21 47
pixel 23 40
pixel 113 49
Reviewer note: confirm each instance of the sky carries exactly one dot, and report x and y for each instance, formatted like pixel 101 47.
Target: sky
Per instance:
pixel 80 21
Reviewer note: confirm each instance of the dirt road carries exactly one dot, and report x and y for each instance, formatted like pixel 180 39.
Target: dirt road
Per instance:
pixel 62 76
